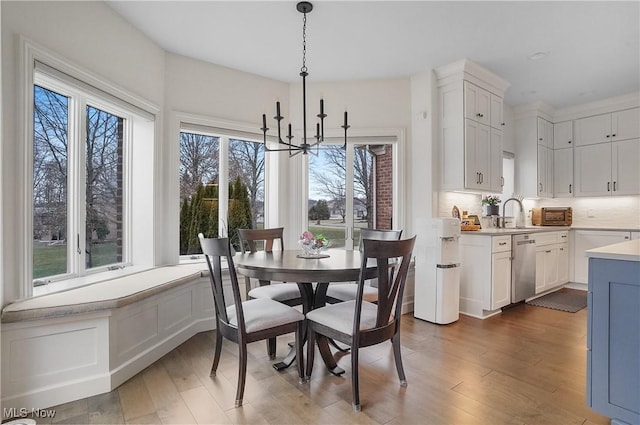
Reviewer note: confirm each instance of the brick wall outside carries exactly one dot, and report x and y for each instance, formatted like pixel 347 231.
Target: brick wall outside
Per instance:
pixel 384 190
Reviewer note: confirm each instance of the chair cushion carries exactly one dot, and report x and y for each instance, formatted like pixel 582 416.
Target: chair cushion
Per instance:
pixel 340 316
pixel 277 292
pixel 263 313
pixel 348 291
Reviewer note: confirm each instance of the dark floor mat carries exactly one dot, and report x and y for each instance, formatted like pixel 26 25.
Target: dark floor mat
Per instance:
pixel 570 300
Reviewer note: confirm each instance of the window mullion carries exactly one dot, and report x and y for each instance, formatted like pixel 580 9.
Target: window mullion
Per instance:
pixel 223 187
pixel 77 171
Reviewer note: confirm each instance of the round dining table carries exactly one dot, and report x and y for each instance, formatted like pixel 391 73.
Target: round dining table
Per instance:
pixel 313 276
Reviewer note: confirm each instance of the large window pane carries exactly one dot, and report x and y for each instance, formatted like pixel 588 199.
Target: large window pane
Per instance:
pixel 199 178
pixel 327 194
pixel 246 164
pixel 103 188
pixel 50 168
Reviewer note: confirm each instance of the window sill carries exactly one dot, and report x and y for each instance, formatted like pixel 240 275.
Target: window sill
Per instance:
pixel 114 292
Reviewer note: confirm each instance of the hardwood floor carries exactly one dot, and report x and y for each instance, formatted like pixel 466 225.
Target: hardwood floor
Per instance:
pixel 524 366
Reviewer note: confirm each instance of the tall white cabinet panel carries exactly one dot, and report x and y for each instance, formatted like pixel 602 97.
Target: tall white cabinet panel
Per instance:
pixel 477 155
pixel 497 179
pixel 563 173
pixel 545 133
pixel 625 167
pixel 592 170
pixel 545 171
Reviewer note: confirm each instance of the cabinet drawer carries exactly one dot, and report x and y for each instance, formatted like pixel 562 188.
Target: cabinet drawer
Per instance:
pixel 547 238
pixel 563 237
pixel 500 243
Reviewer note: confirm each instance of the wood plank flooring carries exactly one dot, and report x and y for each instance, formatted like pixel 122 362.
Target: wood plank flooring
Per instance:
pixel 524 366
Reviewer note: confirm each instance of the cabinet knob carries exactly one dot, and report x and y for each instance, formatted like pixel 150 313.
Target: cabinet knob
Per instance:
pixel 613 135
pixel 608 136
pixel 541 138
pixel 569 142
pixel 502 123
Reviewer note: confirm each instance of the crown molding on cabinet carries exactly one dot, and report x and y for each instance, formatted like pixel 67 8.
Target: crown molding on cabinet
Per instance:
pixel 472 72
pixel 541 109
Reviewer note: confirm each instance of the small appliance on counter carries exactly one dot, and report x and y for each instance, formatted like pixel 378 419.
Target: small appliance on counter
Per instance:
pixel 437 298
pixel 551 216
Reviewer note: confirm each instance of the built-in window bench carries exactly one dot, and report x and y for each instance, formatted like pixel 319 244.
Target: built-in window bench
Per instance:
pixel 85 341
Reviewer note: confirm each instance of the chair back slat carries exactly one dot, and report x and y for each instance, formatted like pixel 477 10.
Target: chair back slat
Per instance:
pixel 379 235
pixel 249 237
pixel 392 261
pixel 214 249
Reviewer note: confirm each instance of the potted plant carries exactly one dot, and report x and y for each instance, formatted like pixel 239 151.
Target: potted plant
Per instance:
pixel 491 202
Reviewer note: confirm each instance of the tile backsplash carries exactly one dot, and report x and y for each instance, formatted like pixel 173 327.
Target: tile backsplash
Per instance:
pixel 606 212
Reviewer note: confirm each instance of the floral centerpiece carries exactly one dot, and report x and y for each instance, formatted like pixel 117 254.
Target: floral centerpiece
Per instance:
pixel 312 244
pixel 491 202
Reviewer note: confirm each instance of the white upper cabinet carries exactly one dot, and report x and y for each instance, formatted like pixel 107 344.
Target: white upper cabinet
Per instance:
pixel 563 135
pixel 621 125
pixel 608 169
pixel 496 112
pixel 477 103
pixel 545 171
pixel 470 127
pixel 563 173
pixel 545 133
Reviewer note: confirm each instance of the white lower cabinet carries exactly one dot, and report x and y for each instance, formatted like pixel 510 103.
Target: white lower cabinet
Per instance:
pixel 552 260
pixel 485 274
pixel 589 239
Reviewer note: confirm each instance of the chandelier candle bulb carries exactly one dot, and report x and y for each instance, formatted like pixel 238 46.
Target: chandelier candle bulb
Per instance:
pixel 321 106
pixel 289 136
pixel 345 118
pixel 264 122
pixel 277 110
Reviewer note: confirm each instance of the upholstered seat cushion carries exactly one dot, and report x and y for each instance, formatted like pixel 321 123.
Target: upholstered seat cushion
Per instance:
pixel 340 316
pixel 276 291
pixel 348 291
pixel 263 313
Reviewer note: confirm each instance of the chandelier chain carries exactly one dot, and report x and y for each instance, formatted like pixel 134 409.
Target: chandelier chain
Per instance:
pixel 304 43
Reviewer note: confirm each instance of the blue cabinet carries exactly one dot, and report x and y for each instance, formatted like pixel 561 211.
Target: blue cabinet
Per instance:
pixel 613 339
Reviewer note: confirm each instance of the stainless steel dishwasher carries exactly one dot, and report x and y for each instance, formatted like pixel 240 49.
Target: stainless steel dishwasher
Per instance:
pixel 523 267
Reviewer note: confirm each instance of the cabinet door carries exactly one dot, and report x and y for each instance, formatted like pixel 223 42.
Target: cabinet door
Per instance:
pixel 501 279
pixel 545 171
pixel 625 124
pixel 540 274
pixel 563 173
pixel 477 103
pixel 625 172
pixel 592 170
pixel 477 155
pixel 497 180
pixel 589 239
pixel 563 263
pixel 496 112
pixel 563 135
pixel 590 130
pixel 543 133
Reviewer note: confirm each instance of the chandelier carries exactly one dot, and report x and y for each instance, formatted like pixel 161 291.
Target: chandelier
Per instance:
pixel 304 147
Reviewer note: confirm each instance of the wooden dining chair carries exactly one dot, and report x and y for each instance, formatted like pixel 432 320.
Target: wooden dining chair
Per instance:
pixel 286 293
pixel 359 323
pixel 244 322
pixel 347 291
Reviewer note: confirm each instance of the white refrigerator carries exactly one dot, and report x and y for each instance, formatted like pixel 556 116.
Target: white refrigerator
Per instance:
pixel 437 295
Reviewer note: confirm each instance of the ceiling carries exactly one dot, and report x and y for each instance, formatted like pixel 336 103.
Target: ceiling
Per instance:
pixel 593 48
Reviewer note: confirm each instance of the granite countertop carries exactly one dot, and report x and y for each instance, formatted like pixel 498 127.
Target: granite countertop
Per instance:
pixel 629 251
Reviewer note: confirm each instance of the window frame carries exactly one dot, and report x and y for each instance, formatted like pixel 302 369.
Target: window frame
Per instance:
pixel 224 130
pixel 141 117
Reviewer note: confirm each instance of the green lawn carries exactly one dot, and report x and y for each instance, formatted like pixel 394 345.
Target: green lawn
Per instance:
pixel 50 260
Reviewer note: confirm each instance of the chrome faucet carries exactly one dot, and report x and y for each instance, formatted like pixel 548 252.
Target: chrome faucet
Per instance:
pixel 504 207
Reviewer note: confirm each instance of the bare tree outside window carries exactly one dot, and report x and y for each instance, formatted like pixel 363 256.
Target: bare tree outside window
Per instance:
pixel 246 162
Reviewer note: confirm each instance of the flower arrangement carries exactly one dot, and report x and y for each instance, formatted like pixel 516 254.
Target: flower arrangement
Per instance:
pixel 492 200
pixel 313 244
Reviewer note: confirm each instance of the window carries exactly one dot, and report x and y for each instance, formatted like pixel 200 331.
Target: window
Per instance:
pixel 350 189
pixel 214 202
pixel 79 179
